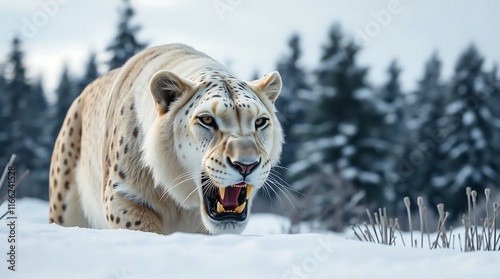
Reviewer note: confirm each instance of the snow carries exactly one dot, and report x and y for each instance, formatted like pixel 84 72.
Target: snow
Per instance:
pixel 486 114
pixel 462 175
pixel 337 140
pixel 454 107
pixel 363 94
pixel 329 92
pixel 439 181
pixel 331 64
pixel 51 251
pixel 459 150
pixel 468 118
pixel 369 177
pixel 390 118
pixel 348 150
pixel 302 165
pixel 324 143
pixel 479 86
pixel 350 173
pixel 380 144
pixel 476 134
pixel 348 129
pixel 488 171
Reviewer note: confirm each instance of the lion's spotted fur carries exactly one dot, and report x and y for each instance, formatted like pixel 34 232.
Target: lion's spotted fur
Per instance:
pixel 124 159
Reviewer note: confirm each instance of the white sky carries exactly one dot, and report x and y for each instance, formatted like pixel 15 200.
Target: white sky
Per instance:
pixel 253 34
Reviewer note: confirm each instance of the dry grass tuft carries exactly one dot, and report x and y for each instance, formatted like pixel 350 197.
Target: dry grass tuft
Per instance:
pixel 479 234
pixel 4 177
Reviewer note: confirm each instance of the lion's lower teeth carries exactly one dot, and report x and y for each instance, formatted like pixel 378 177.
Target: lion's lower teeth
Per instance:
pixel 240 208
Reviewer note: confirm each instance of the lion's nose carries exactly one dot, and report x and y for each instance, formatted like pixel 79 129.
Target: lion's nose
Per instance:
pixel 243 168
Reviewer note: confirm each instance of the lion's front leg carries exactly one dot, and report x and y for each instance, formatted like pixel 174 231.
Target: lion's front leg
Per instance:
pixel 123 213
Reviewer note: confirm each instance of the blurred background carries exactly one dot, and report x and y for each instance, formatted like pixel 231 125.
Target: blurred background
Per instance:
pixel 382 99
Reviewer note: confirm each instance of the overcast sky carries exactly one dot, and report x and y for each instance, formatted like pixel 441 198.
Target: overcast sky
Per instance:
pixel 250 35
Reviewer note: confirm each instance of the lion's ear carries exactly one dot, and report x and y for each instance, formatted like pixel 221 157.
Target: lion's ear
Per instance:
pixel 269 85
pixel 166 87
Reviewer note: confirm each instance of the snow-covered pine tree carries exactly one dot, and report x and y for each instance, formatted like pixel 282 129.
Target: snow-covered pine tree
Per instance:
pixel 125 44
pixel 414 170
pixel 4 114
pixel 17 89
pixel 44 142
pixel 470 150
pixel 343 146
pixel 493 83
pixel 292 105
pixel 91 73
pixel 391 105
pixel 25 122
pixel 2 77
pixel 66 93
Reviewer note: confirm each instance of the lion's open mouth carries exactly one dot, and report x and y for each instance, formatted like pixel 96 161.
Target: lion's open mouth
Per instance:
pixel 227 204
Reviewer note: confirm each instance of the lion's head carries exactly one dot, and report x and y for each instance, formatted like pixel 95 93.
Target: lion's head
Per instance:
pixel 214 142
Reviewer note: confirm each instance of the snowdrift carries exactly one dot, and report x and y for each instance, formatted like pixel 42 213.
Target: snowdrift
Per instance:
pixel 51 251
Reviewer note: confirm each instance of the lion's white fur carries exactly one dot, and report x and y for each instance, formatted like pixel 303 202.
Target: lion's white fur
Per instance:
pixel 159 174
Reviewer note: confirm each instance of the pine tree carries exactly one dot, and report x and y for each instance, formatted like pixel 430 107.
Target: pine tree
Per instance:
pixel 17 115
pixel 391 105
pixel 125 44
pixel 419 163
pixel 292 105
pixel 26 118
pixel 91 73
pixel 492 82
pixel 344 141
pixel 392 89
pixel 470 150
pixel 43 140
pixel 66 93
pixel 393 99
pixel 4 114
pixel 2 80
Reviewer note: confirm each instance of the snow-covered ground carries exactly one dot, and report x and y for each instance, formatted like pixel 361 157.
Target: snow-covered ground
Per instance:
pixel 50 251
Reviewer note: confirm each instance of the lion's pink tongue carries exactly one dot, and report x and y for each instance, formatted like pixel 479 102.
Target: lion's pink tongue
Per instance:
pixel 230 200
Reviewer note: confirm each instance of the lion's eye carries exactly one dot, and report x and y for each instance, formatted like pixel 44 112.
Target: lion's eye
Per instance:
pixel 207 120
pixel 261 122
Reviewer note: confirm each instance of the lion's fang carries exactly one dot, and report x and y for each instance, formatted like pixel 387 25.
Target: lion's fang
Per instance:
pixel 222 192
pixel 249 190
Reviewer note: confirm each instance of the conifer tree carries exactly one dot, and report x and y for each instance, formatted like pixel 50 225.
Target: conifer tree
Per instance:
pixel 415 169
pixel 25 122
pixel 469 151
pixel 344 142
pixel 391 104
pixel 66 93
pixel 4 114
pixel 18 111
pixel 2 80
pixel 125 43
pixel 91 73
pixel 292 105
pixel 393 99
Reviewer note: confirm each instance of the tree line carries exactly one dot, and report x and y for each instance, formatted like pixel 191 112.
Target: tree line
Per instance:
pixel 29 123
pixel 350 145
pixel 354 146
